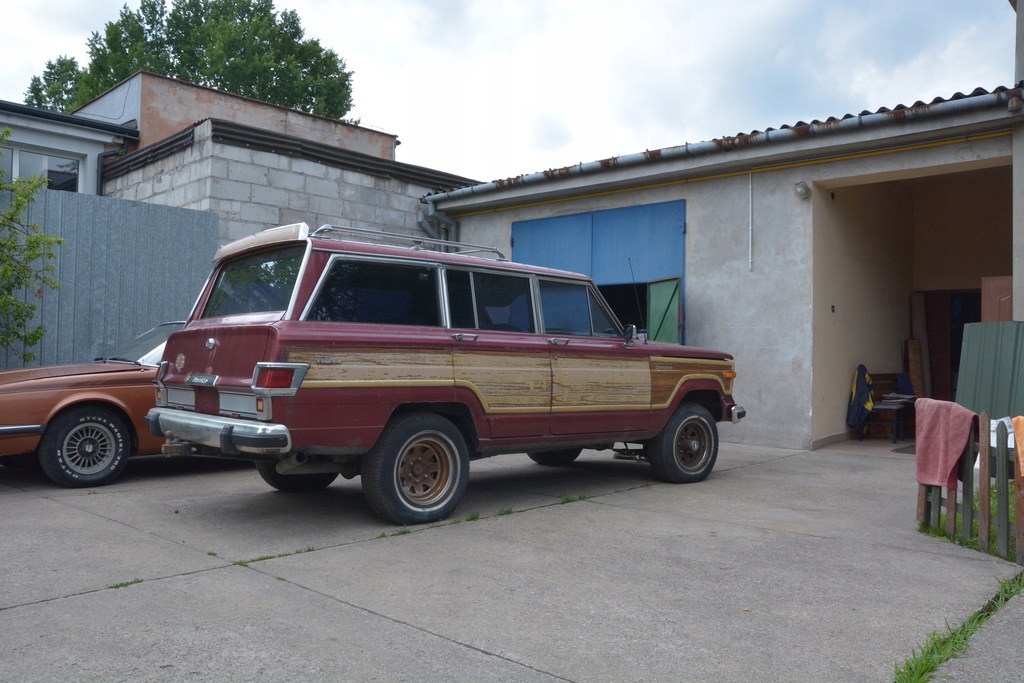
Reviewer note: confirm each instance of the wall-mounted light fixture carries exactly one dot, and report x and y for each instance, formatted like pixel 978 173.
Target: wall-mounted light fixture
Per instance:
pixel 802 189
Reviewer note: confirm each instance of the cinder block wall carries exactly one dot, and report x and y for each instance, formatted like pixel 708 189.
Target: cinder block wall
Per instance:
pixel 252 190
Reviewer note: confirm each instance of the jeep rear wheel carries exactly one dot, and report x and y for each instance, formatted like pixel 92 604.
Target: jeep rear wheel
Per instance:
pixel 417 471
pixel 687 448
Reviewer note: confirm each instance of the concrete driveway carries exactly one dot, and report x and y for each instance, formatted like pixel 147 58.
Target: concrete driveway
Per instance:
pixel 782 566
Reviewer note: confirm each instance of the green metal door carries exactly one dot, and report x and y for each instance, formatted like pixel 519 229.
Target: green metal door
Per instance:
pixel 663 307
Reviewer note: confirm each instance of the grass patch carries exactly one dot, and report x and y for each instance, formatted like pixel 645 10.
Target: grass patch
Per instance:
pixel 974 542
pixel 941 647
pixel 298 551
pixel 472 516
pixel 125 584
pixel 505 511
pixel 574 499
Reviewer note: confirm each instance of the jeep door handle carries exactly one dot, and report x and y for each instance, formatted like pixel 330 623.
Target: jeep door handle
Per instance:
pixel 559 341
pixel 461 336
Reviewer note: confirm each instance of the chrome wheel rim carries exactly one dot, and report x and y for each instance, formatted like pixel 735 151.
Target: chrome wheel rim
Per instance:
pixel 89 448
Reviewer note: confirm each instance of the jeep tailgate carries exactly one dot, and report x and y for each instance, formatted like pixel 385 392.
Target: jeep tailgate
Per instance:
pixel 221 356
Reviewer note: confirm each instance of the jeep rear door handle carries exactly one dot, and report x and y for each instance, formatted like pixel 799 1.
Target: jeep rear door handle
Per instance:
pixel 462 336
pixel 559 341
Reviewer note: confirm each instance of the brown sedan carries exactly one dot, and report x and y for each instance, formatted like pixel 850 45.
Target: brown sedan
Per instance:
pixel 83 421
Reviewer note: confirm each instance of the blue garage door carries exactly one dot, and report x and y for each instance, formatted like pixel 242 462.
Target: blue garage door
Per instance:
pixel 624 247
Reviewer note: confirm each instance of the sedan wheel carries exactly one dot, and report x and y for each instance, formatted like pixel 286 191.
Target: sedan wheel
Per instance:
pixel 85 447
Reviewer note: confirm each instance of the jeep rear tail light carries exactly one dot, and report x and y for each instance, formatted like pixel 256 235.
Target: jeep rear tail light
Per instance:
pixel 275 378
pixel 278 379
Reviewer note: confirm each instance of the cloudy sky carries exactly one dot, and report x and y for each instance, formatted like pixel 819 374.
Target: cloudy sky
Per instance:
pixel 490 89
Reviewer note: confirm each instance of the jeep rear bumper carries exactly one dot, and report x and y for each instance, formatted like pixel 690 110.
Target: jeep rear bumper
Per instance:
pixel 230 436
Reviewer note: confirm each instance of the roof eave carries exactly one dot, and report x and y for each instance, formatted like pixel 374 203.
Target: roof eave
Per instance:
pixel 979 112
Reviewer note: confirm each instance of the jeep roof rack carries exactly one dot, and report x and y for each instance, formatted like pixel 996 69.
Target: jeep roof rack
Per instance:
pixel 339 232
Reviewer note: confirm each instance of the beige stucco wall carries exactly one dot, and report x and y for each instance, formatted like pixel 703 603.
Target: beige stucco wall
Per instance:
pixel 764 267
pixel 747 286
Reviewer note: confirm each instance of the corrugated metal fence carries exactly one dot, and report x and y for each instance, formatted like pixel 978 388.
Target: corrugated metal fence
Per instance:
pixel 124 267
pixel 992 368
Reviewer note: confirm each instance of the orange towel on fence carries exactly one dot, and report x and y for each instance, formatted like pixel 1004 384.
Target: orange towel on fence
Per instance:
pixel 1018 435
pixel 943 430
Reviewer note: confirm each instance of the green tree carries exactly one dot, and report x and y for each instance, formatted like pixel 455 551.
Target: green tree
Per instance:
pixel 240 46
pixel 57 87
pixel 27 265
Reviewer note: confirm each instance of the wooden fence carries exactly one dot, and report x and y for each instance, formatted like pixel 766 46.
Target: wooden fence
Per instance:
pixel 978 524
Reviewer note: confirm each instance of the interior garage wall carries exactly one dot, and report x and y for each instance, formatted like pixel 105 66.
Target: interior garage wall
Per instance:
pixel 863 279
pixel 963 229
pixel 877 244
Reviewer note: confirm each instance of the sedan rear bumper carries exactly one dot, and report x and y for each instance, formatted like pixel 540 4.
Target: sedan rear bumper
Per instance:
pixel 231 436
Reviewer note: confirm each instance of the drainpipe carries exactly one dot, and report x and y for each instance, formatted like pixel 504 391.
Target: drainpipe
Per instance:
pixel 103 156
pixel 437 224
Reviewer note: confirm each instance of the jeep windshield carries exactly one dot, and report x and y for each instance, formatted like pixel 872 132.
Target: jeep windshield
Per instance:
pixel 258 283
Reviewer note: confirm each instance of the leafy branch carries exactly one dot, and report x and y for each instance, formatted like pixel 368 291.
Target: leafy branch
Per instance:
pixel 27 264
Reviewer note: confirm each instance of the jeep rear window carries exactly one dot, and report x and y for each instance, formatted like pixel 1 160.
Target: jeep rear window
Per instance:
pixel 259 283
pixel 383 293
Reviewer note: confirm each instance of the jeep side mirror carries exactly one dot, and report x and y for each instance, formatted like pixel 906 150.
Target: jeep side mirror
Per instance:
pixel 630 333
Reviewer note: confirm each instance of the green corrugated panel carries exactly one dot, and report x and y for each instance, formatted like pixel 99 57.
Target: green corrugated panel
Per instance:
pixel 991 365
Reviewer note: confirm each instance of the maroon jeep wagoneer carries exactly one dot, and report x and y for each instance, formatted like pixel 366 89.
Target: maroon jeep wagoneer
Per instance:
pixel 322 353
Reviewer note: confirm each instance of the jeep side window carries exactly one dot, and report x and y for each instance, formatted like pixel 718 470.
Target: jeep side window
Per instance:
pixel 490 301
pixel 604 324
pixel 503 302
pixel 256 284
pixel 460 298
pixel 574 309
pixel 382 293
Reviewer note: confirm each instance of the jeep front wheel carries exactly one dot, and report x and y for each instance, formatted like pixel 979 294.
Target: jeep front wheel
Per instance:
pixel 417 471
pixel 686 449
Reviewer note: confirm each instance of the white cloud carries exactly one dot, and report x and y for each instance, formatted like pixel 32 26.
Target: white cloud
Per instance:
pixel 488 89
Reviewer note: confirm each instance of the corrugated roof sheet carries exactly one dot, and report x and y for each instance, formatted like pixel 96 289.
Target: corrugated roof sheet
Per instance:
pixel 978 99
pixel 977 92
